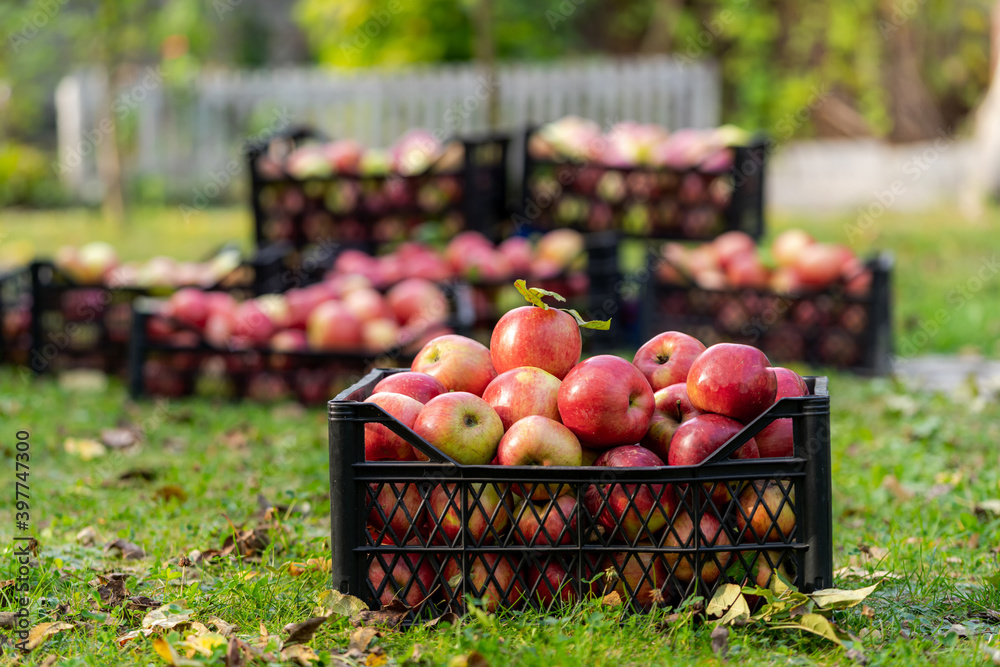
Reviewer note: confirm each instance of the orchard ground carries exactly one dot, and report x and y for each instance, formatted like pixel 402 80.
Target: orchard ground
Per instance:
pixel 916 480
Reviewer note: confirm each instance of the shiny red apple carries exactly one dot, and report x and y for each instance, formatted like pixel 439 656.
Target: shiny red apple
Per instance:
pixel 545 338
pixel 458 362
pixel 606 402
pixel 673 407
pixel 775 439
pixel 732 380
pixel 461 425
pixel 666 358
pixel 539 441
pixel 420 386
pixel 522 392
pixel 381 444
pixel 631 511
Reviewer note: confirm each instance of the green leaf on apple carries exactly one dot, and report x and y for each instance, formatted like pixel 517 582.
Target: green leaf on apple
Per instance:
pixel 601 325
pixel 534 294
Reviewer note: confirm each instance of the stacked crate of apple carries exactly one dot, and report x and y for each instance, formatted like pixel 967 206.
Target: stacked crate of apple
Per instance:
pixel 81 303
pixel 528 400
pixel 642 180
pixel 308 342
pixel 809 301
pixel 555 261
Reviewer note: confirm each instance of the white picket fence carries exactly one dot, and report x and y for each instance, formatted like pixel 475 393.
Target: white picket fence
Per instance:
pixel 185 134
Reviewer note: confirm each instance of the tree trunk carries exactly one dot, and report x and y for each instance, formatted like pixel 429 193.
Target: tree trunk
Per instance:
pixel 109 168
pixel 983 170
pixel 915 116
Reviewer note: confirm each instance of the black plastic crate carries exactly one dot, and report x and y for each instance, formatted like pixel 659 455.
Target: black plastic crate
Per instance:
pixel 319 215
pixel 383 520
pixel 159 367
pixel 74 325
pixel 646 202
pixel 830 328
pixel 15 316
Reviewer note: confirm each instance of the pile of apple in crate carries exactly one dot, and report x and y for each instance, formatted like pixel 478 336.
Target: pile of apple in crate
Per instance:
pixel 611 501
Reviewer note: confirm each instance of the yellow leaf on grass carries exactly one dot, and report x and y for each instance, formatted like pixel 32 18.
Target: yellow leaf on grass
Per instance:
pixel 739 610
pixel 723 599
pixel 85 448
pixel 167 616
pixel 816 624
pixel 43 631
pixel 165 651
pixel 836 598
pixel 205 644
pixel 335 602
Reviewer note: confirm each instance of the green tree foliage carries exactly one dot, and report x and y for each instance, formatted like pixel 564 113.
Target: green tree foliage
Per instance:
pixel 779 58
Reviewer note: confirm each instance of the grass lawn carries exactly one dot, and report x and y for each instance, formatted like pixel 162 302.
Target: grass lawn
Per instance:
pixel 912 476
pixel 916 489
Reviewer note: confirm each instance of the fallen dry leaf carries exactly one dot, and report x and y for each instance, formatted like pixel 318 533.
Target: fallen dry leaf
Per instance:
pixel 87 537
pixel 362 637
pixel 447 617
pixel 166 651
pixel 416 655
pixel 225 629
pixel 237 653
pixel 49 661
pixel 612 599
pixel 893 486
pixel 118 438
pixel 301 633
pixel 301 655
pixel 166 616
pixel 111 588
pixel 334 602
pixel 474 659
pixel 236 438
pixel 38 634
pixel 7 619
pixel 144 474
pixel 128 550
pixel 720 641
pixel 85 448
pixel 390 615
pixel 854 572
pixel 142 603
pixel 170 492
pixel 836 598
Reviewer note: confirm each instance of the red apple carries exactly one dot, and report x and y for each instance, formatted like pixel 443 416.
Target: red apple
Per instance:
pixel 632 511
pixel 288 340
pixel 522 392
pixel 420 386
pixel 253 324
pixel 768 509
pixel 788 245
pixel 552 582
pixel 380 334
pixel 462 426
pixel 460 363
pixel 489 515
pixel 702 435
pixel 366 305
pixel 697 438
pixel 188 305
pixel 642 577
pixel 94 261
pixel 606 402
pixel 539 441
pixel 531 336
pixel 397 508
pixel 418 301
pixel 775 439
pixel 732 380
pixel 548 523
pixel 381 444
pixel 666 358
pixel 710 534
pixel 673 407
pixel 564 247
pixel 747 271
pixel 412 578
pixel 491 579
pixel 519 253
pixel 332 327
pixel 821 264
pixel 219 329
pixel 730 245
